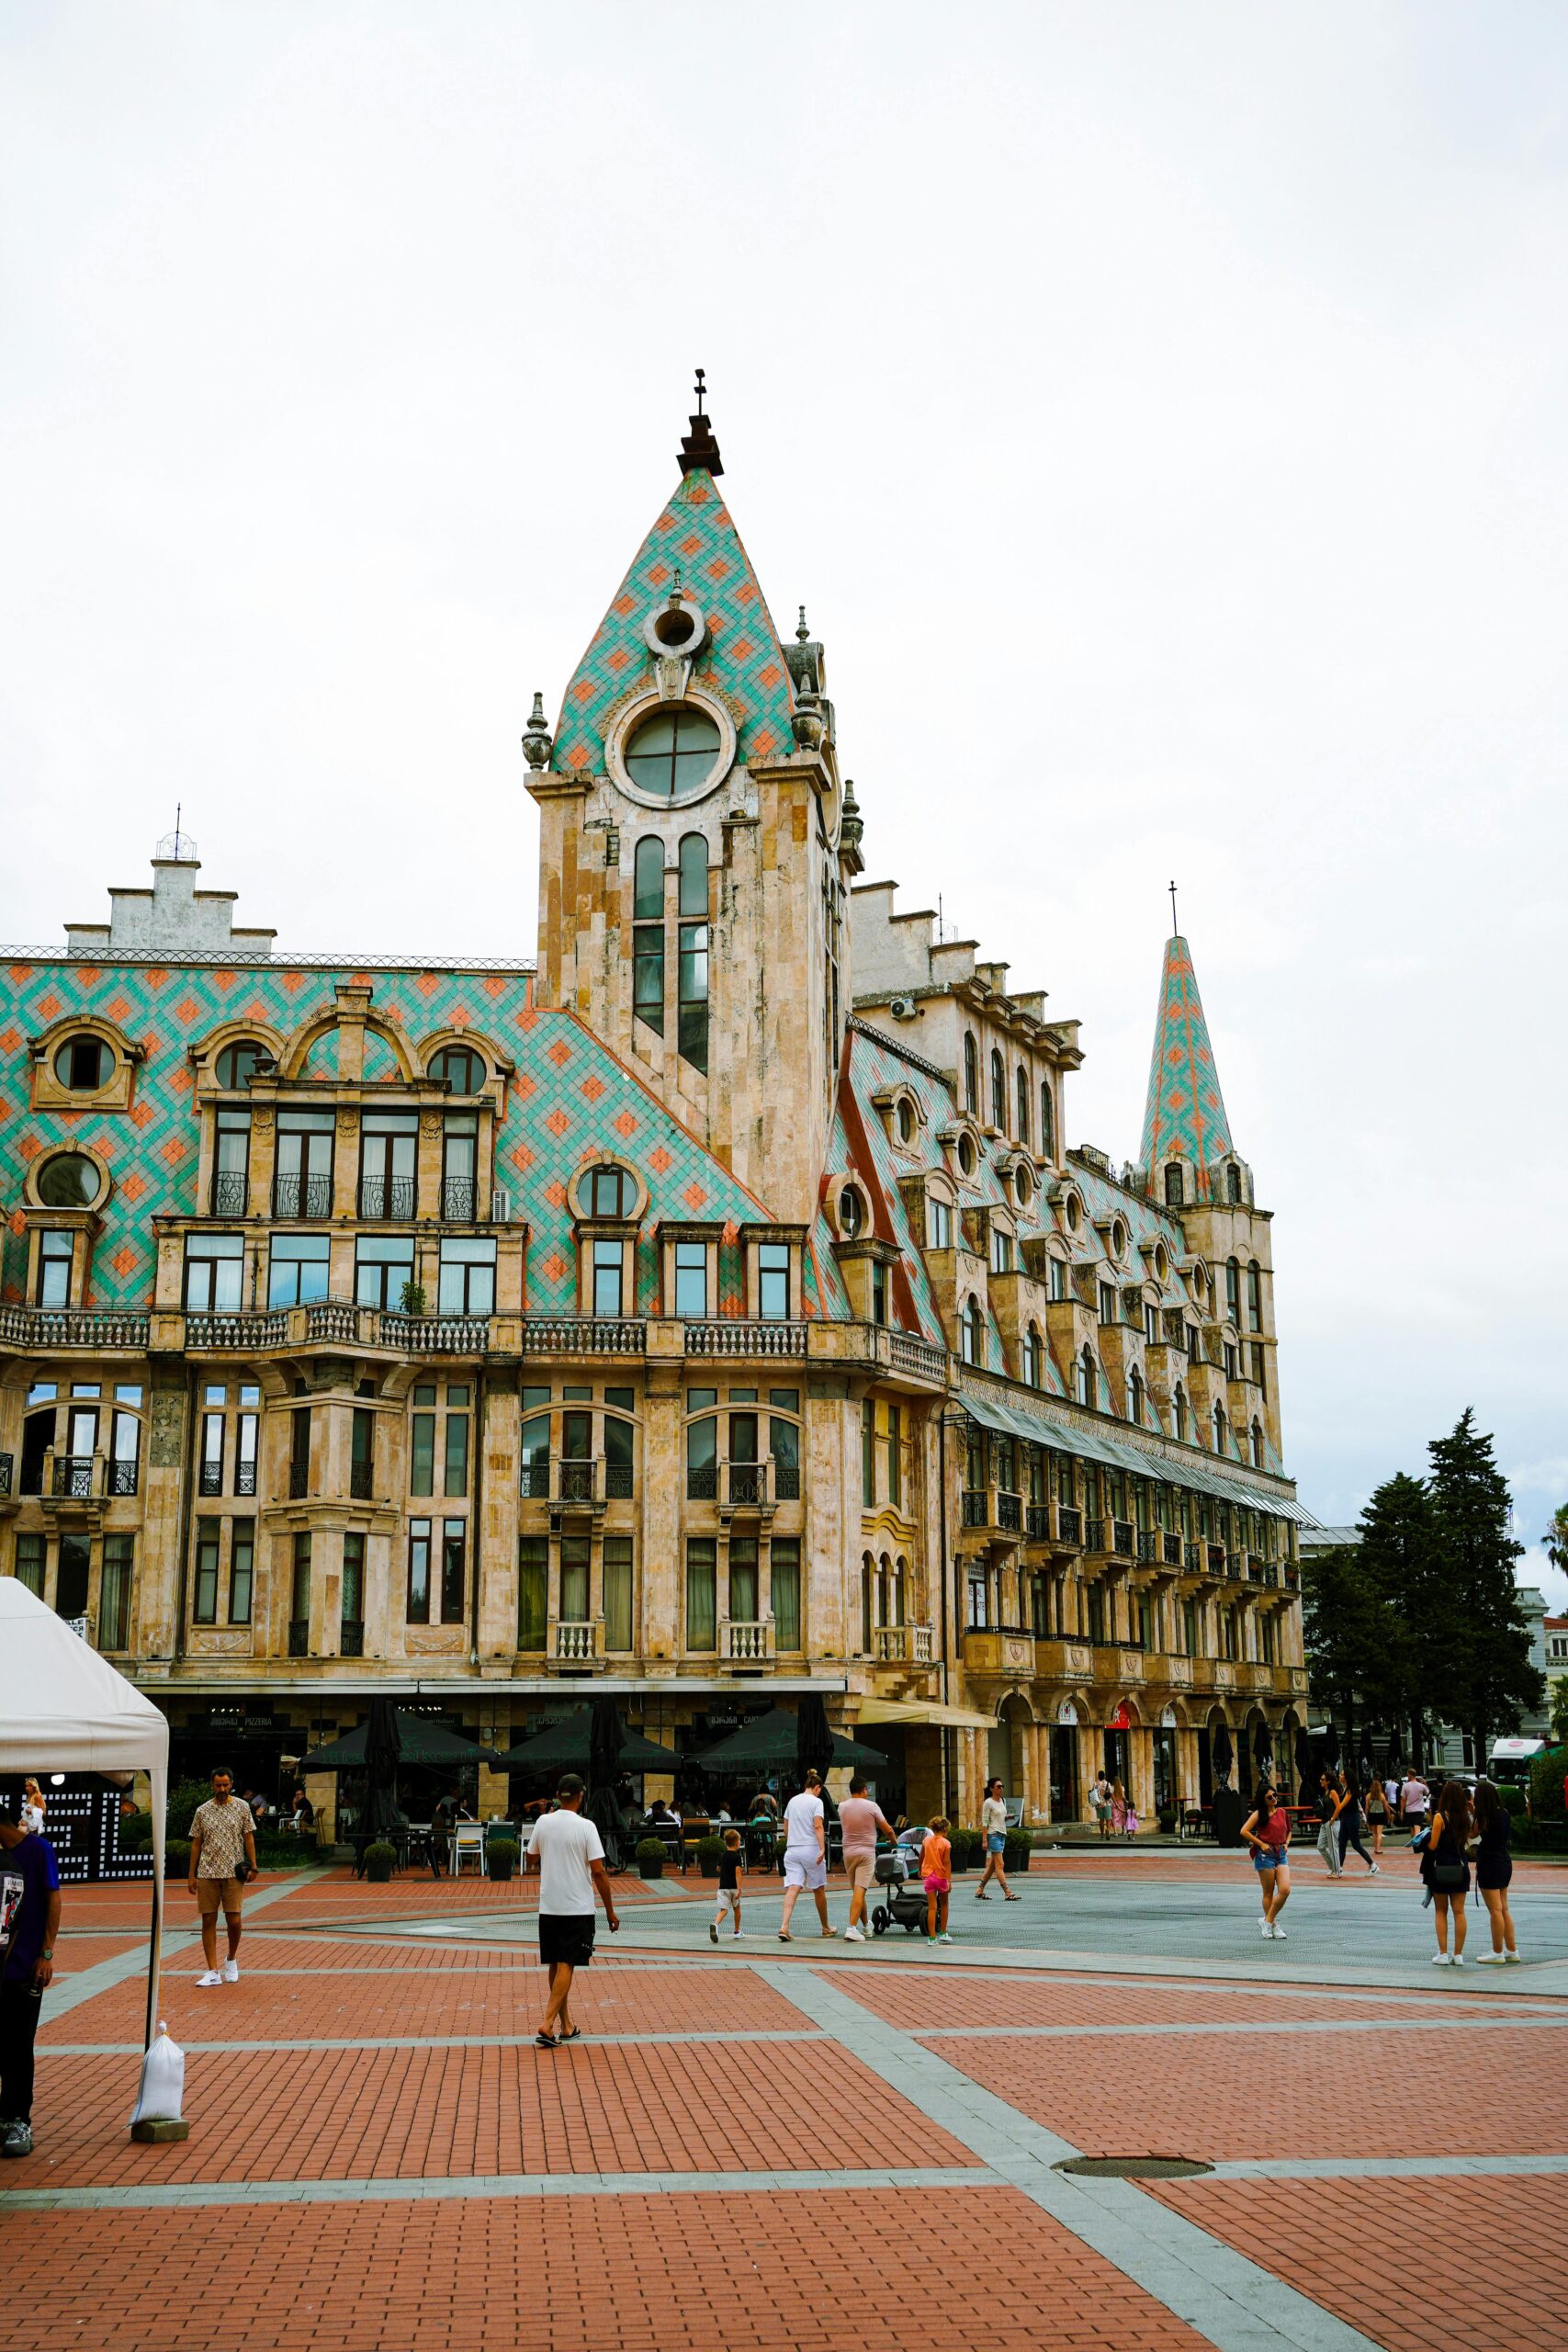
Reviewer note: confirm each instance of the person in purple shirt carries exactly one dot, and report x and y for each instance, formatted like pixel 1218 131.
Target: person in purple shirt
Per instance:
pixel 29 1921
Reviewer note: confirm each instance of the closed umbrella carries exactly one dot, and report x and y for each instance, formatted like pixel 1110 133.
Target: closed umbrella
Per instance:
pixel 770 1743
pixel 1306 1770
pixel 1224 1753
pixel 383 1747
pixel 606 1737
pixel 813 1738
pixel 1263 1747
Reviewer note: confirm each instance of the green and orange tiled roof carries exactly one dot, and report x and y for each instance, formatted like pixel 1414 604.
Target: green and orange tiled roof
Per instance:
pixel 1185 1114
pixel 693 536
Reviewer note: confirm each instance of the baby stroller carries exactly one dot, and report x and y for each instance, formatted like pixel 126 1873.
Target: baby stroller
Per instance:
pixel 902 1898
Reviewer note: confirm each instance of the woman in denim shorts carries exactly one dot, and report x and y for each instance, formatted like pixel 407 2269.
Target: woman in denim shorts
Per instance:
pixel 1267 1830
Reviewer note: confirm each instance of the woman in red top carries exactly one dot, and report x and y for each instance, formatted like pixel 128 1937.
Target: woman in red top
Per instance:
pixel 1267 1830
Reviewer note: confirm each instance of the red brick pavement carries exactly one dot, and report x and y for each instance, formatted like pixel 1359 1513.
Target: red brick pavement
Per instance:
pixel 1492 2092
pixel 413 2114
pixel 1485 2266
pixel 919 1999
pixel 682 2273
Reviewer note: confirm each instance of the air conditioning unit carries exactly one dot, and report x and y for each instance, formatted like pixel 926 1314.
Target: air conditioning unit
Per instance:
pixel 501 1208
pixel 903 1008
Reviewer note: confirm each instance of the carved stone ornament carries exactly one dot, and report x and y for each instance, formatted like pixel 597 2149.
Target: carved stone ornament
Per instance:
pixel 261 1118
pixel 538 740
pixel 430 1125
pixel 165 1439
pixel 347 1122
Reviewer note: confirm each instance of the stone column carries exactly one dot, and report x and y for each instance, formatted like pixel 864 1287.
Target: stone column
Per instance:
pixel 656 1616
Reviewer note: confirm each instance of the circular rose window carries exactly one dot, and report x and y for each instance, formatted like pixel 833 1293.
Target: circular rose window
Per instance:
pixel 69 1181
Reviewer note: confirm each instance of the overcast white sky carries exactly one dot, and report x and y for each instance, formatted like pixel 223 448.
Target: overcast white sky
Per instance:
pixel 1160 410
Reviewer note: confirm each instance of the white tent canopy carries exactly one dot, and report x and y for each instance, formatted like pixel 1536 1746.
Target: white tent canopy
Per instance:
pixel 64 1709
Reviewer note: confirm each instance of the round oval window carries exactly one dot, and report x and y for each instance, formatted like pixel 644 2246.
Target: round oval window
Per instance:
pixel 674 753
pixel 69 1181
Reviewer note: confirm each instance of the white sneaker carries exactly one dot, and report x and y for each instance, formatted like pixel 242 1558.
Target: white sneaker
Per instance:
pixel 1490 1959
pixel 1264 1928
pixel 231 1971
pixel 1459 1960
pixel 1513 1959
pixel 1279 1933
pixel 1440 1959
pixel 211 1977
pixel 854 1935
pixel 1377 1870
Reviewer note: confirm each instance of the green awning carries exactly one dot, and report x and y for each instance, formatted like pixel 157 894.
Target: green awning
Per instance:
pixel 1039 1426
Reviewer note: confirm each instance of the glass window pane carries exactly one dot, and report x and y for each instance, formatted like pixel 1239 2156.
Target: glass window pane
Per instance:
pixel 574 1563
pixel 453 1542
pixel 702 1622
pixel 418 1572
pixel 692 1279
pixel 743 1579
pixel 694 876
pixel 618 1593
pixel 456 1481
pixel 786 1594
pixel 647 886
pixel 242 1571
pixel 533 1570
pixel 421 1476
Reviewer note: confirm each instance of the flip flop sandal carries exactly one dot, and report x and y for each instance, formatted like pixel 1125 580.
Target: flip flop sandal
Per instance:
pixel 545 2041
pixel 575 2035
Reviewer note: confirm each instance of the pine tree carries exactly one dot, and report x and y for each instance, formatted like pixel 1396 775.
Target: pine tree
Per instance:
pixel 1410 1667
pixel 1338 1621
pixel 1487 1680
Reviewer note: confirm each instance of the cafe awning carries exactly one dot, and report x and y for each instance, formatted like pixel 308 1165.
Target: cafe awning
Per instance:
pixel 1040 1425
pixel 924 1711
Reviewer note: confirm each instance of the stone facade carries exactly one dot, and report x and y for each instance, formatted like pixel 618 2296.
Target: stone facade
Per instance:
pixel 717 1311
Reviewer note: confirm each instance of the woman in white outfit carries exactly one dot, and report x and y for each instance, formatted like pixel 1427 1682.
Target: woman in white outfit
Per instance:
pixel 806 1854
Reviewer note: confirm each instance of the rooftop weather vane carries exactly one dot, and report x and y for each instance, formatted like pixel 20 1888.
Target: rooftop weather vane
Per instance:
pixel 701 395
pixel 1175 927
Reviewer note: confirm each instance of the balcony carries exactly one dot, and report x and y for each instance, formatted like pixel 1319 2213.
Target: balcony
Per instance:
pixel 72 1479
pixel 584 1335
pixel 236 1334
pixel 577 1482
pixel 1261 1571
pixel 5 1473
pixel 1235 1567
pixel 618 1482
pixel 361 1481
pixel 534 1483
pixel 917 1358
pixel 1037 1523
pixel 299 1637
pixel 230 1193
pixel 432 1335
pixel 1069 1524
pixel 576 1642
pixel 351 1637
pixel 1062 1660
pixel 459 1198
pixel 746 1641
pixel 995 1511
pixel 1214 1559
pixel 1171 1551
pixel 745 1486
pixel 902 1644
pixel 739 1338
pixel 786 1481
pixel 333 1321
pixel 702 1482
pixel 1293 1577
pixel 1010 1512
pixel 36 1327
pixel 1123 1538
pixel 1148 1547
pixel 976 1507
pixel 387 1196
pixel 1094 1535
pixel 997 1649
pixel 124 1478
pixel 298 1197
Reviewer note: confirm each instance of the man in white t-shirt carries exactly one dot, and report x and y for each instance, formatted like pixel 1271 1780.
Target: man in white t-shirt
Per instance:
pixel 567 1852
pixel 806 1854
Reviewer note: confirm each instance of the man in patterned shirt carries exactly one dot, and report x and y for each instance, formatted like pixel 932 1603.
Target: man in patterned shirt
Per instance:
pixel 222 1842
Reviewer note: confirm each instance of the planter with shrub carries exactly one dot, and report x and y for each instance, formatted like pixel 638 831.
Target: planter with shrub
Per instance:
pixel 708 1852
pixel 1016 1850
pixel 501 1858
pixel 967 1848
pixel 1168 1821
pixel 1514 1801
pixel 176 1858
pixel 380 1859
pixel 650 1858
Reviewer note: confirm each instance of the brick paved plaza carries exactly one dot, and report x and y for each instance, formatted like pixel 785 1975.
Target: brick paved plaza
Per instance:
pixel 818 2145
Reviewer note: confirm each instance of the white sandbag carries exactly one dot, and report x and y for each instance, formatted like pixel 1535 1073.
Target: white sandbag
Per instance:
pixel 162 2081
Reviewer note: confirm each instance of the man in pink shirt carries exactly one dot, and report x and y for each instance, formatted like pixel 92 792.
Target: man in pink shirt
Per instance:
pixel 859 1818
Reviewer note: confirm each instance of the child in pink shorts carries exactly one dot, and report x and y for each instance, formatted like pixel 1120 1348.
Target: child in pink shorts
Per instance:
pixel 936 1870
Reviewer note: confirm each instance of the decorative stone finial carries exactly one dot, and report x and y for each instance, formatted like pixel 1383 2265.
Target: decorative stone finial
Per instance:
pixel 699 450
pixel 808 722
pixel 801 632
pixel 538 740
pixel 852 824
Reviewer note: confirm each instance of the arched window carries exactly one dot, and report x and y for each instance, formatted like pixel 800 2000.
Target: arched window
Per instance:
pixel 998 1093
pixel 460 1067
pixel 1257 1445
pixel 1254 1296
pixel 972 1333
pixel 1181 1413
pixel 693 969
pixel 1174 1187
pixel 851 1213
pixel 1221 1429
pixel 1033 1358
pixel 1047 1122
pixel 1233 1290
pixel 608 1190
pixel 647 934
pixel 1020 1088
pixel 971 1076
pixel 238 1063
pixel 1089 1387
pixel 1136 1398
pixel 1233 1181
pixel 906 1120
pixel 84 1063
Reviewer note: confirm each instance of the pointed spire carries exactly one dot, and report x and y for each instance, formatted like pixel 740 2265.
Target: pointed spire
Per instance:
pixel 1184 1117
pixel 699 450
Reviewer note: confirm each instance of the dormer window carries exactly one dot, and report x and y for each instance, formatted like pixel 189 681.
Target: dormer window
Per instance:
pixel 998 1093
pixel 84 1064
pixel 460 1068
pixel 608 1276
pixel 851 1213
pixel 938 1223
pixel 967 1155
pixel 238 1063
pixel 1233 1183
pixel 1032 1355
pixel 905 1118
pixel 773 1281
pixel 971 1076
pixel 691 1279
pixel 607 1192
pixel 972 1333
pixel 1175 1189
pixel 673 755
pixel 1001 1249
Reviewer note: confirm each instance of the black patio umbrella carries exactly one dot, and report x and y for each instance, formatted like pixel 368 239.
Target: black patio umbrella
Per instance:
pixel 421 1741
pixel 565 1746
pixel 606 1734
pixel 1306 1763
pixel 1262 1746
pixel 770 1743
pixel 813 1738
pixel 1224 1753
pixel 383 1747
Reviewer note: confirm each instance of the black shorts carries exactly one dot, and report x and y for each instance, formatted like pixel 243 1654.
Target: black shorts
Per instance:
pixel 566 1935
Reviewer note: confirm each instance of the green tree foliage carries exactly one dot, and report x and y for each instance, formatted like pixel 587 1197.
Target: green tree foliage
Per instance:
pixel 1484 1679
pixel 1398 1560
pixel 1556 1538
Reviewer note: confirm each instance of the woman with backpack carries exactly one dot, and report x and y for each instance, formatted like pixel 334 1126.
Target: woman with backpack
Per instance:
pixel 1494 1869
pixel 1445 1871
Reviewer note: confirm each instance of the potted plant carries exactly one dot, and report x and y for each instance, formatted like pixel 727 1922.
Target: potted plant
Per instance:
pixel 176 1857
pixel 380 1856
pixel 1168 1821
pixel 965 1845
pixel 650 1857
pixel 1016 1850
pixel 501 1858
pixel 411 1298
pixel 708 1852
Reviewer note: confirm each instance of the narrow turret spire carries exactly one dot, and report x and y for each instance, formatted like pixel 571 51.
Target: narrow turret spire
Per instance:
pixel 699 450
pixel 1184 1117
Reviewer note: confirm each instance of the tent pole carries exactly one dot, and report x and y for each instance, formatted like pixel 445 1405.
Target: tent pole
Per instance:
pixel 159 1779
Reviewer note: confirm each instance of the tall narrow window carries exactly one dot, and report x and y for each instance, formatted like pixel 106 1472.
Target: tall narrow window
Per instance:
pixel 204 1603
pixel 1233 1183
pixel 1257 1445
pixel 1174 1187
pixel 302 1178
pixel 609 1260
pixel 351 1642
pixel 691 1279
pixel 421 1463
pixel 1033 1372
pixel 702 1576
pixel 457 1454
pixel 232 1164
pixel 459 1171
pixel 971 1076
pixel 896 1456
pixel 692 967
pixel 1254 1296
pixel 1181 1413
pixel 878 1292
pixel 242 1571
pixel 618 1593
pixel 743 1586
pixel 214 1270
pixel 299 1599
pixel 388 1142
pixel 453 1538
pixel 998 1093
pixel 1088 1385
pixel 938 1223
pixel 114 1593
pixel 868 1453
pixel 702 1461
pixel 786 1559
pixel 647 934
pixel 30 1561
pixel 972 1333
pixel 773 1280
pixel 246 1429
pixel 54 1253
pixel 784 1444
pixel 362 1453
pixel 299 1454
pixel 418 1572
pixel 1047 1121
pixel 537 1458
pixel 1220 1429
pixel 1233 1290
pixel 1022 1090
pixel 211 1476
pixel 466 1280
pixel 533 1591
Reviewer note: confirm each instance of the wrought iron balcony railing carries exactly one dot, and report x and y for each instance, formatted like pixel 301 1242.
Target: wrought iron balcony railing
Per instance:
pixel 301 1196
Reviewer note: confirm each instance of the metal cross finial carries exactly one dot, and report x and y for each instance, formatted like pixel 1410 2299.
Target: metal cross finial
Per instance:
pixel 1175 927
pixel 701 372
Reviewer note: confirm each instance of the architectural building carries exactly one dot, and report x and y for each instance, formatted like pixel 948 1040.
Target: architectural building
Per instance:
pixel 720 1309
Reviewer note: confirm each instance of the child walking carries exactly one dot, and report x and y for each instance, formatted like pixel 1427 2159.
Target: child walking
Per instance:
pixel 729 1885
pixel 936 1870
